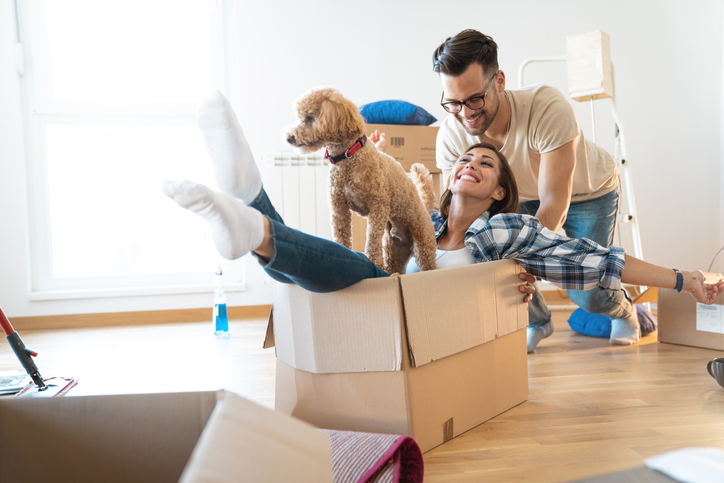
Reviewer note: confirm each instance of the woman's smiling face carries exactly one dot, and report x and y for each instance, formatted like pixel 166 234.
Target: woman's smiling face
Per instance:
pixel 476 174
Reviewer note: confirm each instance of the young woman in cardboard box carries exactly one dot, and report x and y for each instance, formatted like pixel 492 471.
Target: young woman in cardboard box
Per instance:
pixel 476 223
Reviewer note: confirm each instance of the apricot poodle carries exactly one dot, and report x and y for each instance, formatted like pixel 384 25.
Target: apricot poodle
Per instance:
pixel 368 182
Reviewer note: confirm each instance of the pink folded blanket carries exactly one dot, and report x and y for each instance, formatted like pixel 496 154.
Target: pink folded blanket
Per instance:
pixel 368 457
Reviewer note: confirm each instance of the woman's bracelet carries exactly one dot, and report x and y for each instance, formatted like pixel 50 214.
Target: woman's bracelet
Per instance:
pixel 679 280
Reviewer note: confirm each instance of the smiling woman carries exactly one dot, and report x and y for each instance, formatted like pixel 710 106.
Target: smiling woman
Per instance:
pixel 112 111
pixel 505 202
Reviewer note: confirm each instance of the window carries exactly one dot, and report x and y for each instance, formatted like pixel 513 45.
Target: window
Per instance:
pixel 111 94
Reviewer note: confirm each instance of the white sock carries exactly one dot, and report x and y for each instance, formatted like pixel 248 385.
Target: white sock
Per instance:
pixel 235 228
pixel 537 334
pixel 234 166
pixel 625 331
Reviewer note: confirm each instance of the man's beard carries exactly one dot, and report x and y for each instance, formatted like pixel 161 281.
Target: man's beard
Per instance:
pixel 488 117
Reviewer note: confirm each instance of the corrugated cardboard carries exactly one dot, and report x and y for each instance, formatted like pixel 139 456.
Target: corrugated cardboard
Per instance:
pixel 429 355
pixel 204 436
pixel 449 311
pixel 683 321
pixel 364 336
pixel 410 144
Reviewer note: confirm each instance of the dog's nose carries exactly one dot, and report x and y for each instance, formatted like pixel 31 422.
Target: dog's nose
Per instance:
pixel 290 139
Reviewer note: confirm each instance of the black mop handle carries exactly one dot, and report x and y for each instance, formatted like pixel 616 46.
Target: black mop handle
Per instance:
pixel 24 355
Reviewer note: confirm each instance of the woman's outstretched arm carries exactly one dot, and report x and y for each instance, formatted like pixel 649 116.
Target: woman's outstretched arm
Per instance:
pixel 639 272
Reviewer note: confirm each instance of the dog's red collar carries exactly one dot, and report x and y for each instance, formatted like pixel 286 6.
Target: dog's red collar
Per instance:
pixel 347 154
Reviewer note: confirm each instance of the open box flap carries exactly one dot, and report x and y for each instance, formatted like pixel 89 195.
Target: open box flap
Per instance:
pixel 357 329
pixel 471 305
pixel 269 337
pixel 244 441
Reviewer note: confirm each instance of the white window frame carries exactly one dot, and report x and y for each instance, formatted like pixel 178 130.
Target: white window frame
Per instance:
pixel 40 110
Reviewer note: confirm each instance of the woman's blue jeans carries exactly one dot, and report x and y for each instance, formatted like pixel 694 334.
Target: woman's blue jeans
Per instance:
pixel 315 264
pixel 596 220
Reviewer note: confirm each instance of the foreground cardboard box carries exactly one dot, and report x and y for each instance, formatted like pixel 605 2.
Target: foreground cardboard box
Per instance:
pixel 203 436
pixel 410 144
pixel 683 321
pixel 429 355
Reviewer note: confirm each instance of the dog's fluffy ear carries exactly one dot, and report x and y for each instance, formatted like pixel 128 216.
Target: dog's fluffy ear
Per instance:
pixel 340 118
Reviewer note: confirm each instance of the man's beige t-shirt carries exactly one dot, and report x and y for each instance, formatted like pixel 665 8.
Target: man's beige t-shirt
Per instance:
pixel 541 120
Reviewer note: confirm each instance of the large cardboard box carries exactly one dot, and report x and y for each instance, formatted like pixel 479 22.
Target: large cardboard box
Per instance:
pixel 410 144
pixel 430 355
pixel 684 321
pixel 203 436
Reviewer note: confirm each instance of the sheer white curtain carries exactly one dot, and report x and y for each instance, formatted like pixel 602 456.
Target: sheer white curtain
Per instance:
pixel 111 93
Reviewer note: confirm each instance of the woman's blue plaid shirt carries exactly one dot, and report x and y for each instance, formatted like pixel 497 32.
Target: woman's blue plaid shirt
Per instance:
pixel 567 262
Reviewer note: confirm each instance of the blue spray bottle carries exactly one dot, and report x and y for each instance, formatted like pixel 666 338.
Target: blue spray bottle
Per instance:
pixel 221 320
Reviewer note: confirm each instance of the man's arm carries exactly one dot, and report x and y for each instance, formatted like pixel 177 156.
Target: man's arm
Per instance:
pixel 555 181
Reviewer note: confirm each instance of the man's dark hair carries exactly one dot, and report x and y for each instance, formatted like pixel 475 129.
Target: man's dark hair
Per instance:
pixel 457 53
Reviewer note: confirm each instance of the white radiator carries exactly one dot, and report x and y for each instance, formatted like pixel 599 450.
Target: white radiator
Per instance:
pixel 297 185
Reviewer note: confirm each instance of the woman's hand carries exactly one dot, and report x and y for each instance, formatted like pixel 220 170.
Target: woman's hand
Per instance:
pixel 527 288
pixel 705 293
pixel 380 140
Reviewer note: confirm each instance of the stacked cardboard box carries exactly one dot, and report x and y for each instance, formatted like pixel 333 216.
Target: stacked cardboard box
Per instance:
pixel 430 354
pixel 409 144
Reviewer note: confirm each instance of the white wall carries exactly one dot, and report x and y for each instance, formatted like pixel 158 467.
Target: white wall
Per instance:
pixel 667 57
pixel 668 60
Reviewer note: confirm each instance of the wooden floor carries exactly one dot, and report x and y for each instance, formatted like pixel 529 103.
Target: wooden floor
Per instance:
pixel 155 358
pixel 593 408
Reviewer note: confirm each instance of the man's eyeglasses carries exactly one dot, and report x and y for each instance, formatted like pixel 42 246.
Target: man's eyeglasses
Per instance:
pixel 475 103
